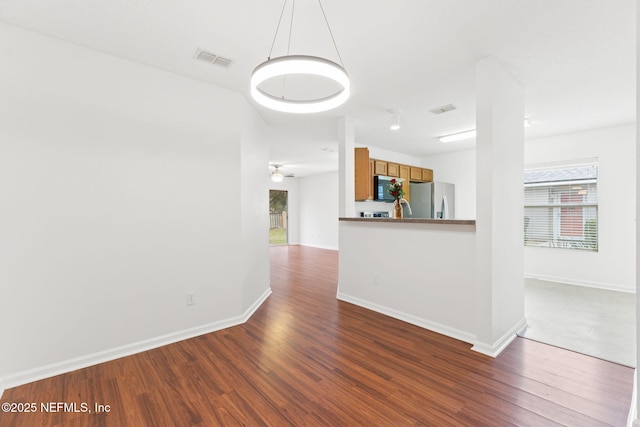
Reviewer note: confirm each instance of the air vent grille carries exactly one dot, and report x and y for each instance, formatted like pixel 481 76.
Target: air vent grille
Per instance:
pixel 443 109
pixel 212 58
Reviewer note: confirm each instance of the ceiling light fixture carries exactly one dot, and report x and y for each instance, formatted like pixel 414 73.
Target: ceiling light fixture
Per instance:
pixel 458 136
pixel 469 134
pixel 395 120
pixel 276 175
pixel 299 64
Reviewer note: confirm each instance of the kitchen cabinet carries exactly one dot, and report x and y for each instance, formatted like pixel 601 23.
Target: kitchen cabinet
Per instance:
pixel 393 169
pixel 370 196
pixel 405 173
pixel 415 174
pixel 421 174
pixel 366 168
pixel 379 167
pixel 363 175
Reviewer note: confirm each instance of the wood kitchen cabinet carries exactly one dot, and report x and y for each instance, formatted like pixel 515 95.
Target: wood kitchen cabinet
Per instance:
pixel 393 169
pixel 371 189
pixel 363 176
pixel 421 174
pixel 405 174
pixel 379 167
pixel 415 174
pixel 366 168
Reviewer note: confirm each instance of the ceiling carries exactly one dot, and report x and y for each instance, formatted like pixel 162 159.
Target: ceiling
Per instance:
pixel 575 58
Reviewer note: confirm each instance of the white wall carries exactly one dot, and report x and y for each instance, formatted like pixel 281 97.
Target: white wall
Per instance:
pixel 613 266
pixel 458 168
pixel 392 156
pixel 114 207
pixel 318 204
pixel 254 204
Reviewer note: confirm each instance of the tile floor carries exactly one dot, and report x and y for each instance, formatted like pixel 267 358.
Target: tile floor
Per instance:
pixel 596 322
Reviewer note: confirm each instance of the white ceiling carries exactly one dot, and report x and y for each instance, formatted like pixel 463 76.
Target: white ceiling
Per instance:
pixel 576 59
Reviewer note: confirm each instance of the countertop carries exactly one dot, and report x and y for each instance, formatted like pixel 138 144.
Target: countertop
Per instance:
pixel 414 220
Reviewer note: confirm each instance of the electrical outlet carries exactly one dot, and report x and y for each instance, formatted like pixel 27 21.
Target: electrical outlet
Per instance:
pixel 191 298
pixel 376 280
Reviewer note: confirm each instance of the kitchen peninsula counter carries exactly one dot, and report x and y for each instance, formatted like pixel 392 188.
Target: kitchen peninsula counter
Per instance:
pixel 414 220
pixel 422 271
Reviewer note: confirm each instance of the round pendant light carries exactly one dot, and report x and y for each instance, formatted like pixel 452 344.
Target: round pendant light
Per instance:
pixel 308 65
pixel 299 64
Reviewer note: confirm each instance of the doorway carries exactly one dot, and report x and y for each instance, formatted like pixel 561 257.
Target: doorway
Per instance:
pixel 278 234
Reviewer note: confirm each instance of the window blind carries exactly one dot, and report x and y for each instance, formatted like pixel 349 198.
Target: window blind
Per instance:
pixel 561 207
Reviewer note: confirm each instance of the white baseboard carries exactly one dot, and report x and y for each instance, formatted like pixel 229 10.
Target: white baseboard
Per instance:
pixel 331 248
pixel 409 318
pixel 74 364
pixel 585 283
pixel 632 421
pixel 493 350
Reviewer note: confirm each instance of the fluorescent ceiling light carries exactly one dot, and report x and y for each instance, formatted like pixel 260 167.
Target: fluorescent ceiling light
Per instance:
pixel 469 134
pixel 458 136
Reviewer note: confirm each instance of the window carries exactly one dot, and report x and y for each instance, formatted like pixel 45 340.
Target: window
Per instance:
pixel 561 207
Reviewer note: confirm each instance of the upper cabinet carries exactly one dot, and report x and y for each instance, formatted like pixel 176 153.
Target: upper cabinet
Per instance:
pixel 366 168
pixel 405 172
pixel 379 167
pixel 363 174
pixel 393 169
pixel 416 174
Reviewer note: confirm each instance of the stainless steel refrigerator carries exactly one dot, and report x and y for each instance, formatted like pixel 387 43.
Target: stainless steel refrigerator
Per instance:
pixel 431 200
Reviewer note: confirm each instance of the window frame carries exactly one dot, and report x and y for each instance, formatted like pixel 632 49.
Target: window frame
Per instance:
pixel 557 188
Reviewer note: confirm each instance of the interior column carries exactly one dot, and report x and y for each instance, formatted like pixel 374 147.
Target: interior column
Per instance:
pixel 499 205
pixel 346 143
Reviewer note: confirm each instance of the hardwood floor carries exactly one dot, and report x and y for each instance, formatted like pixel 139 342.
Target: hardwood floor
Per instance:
pixel 305 358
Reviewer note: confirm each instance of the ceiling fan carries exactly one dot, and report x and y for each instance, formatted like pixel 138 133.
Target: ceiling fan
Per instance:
pixel 278 176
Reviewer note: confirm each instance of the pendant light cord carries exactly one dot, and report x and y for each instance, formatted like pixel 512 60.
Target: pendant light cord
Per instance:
pixel 331 33
pixel 277 29
pixel 291 28
pixel 293 12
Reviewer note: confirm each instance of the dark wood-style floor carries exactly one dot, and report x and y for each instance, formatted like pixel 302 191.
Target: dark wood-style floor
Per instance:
pixel 305 358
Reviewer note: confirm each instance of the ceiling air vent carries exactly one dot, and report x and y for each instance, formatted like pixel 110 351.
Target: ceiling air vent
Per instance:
pixel 212 58
pixel 443 109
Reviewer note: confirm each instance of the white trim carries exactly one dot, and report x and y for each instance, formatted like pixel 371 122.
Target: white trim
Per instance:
pixel 493 350
pixel 331 248
pixel 409 318
pixel 585 283
pixel 47 371
pixel 632 421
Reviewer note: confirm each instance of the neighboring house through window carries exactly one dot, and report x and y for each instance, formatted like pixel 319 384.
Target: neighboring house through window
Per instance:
pixel 561 206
